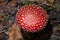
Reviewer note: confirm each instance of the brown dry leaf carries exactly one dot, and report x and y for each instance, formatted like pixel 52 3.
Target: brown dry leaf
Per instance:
pixel 15 33
pixel 48 2
pixel 51 1
pixel 2 1
pixel 29 0
pixel 13 3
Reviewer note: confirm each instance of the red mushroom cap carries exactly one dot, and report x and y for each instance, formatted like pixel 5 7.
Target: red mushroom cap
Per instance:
pixel 31 18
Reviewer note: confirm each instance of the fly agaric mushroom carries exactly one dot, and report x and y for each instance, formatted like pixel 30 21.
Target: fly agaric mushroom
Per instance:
pixel 31 18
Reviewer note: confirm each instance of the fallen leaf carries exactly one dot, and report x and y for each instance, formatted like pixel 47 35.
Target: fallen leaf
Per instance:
pixel 48 2
pixel 13 3
pixel 15 33
pixel 51 1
